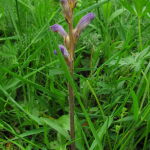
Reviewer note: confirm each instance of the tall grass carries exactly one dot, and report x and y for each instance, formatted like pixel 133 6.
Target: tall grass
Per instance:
pixel 111 76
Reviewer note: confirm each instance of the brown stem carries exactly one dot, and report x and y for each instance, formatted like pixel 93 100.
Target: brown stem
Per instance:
pixel 70 89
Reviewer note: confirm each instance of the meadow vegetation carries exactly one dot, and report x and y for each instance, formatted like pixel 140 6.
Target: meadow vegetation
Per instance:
pixel 111 76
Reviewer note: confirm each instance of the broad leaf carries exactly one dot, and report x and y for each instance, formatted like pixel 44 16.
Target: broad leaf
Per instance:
pixel 128 6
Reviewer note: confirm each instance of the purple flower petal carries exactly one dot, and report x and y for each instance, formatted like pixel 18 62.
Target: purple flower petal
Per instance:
pixel 58 28
pixel 85 20
pixel 63 51
pixel 83 23
pixel 55 52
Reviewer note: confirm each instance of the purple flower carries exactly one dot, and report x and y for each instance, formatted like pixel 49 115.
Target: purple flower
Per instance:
pixel 83 23
pixel 66 10
pixel 63 51
pixel 59 29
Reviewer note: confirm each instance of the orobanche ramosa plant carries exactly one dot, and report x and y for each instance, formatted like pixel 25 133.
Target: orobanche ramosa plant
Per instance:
pixel 68 51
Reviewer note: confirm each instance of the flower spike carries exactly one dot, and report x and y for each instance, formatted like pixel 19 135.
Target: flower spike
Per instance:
pixel 66 10
pixel 63 51
pixel 83 23
pixel 70 41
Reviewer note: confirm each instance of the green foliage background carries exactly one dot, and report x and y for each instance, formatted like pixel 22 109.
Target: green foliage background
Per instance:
pixel 111 76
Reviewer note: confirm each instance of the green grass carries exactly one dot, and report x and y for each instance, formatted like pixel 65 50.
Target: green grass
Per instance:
pixel 111 90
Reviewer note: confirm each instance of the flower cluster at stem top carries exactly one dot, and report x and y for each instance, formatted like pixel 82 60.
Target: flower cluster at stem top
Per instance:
pixel 67 7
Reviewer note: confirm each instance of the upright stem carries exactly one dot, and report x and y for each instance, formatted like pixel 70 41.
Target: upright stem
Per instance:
pixel 70 89
pixel 100 27
pixel 139 24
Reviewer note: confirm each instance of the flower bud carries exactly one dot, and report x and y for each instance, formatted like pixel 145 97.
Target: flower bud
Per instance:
pixel 83 23
pixel 63 51
pixel 60 30
pixel 66 10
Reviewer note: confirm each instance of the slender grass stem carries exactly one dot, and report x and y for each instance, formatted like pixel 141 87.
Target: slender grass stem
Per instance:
pixel 91 60
pixel 100 110
pixel 144 96
pixel 70 89
pixel 140 39
pixel 146 91
pixel 99 19
pixel 146 137
pixel 96 100
pixel 117 134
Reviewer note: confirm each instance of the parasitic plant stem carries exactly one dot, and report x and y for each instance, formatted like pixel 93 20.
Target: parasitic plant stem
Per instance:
pixel 68 52
pixel 70 89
